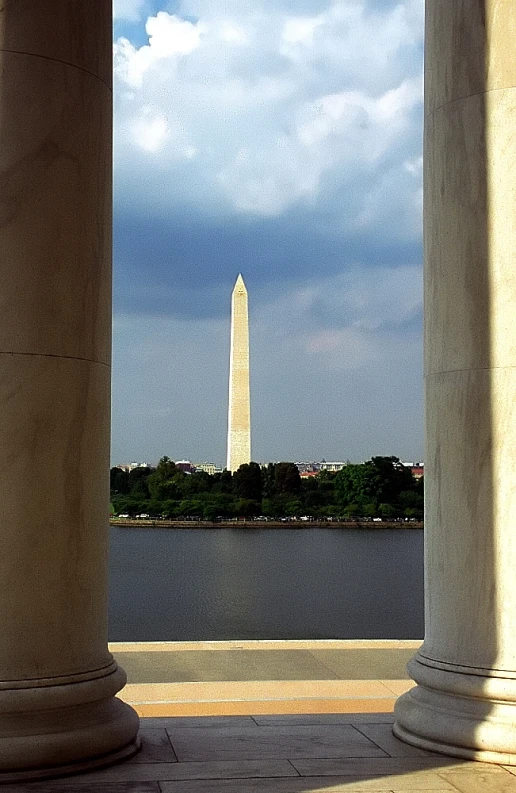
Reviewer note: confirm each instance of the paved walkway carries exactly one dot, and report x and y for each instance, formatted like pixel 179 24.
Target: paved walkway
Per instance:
pixel 315 751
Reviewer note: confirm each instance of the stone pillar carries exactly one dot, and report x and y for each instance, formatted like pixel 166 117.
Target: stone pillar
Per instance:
pixel 58 712
pixel 465 700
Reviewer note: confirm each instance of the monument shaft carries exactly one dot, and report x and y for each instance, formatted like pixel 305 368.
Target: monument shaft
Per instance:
pixel 239 414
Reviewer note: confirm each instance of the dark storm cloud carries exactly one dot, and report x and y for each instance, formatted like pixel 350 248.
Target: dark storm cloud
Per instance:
pixel 164 265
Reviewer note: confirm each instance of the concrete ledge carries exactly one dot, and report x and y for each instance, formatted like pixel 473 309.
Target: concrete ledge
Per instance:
pixel 268 644
pixel 264 677
pixel 263 697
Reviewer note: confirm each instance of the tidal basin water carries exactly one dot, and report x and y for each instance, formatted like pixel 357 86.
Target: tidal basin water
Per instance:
pixel 316 583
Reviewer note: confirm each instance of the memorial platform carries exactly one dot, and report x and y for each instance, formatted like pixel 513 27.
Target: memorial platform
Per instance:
pixel 264 677
pixel 273 717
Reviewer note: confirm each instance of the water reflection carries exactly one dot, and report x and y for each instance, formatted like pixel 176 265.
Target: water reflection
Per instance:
pixel 179 585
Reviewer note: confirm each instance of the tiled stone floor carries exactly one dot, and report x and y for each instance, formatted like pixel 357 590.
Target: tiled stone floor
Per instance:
pixel 285 754
pixel 212 726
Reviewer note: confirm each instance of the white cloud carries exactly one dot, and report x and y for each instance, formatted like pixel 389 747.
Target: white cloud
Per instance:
pixel 234 33
pixel 300 30
pixel 336 133
pixel 150 132
pixel 414 166
pixel 169 37
pixel 280 109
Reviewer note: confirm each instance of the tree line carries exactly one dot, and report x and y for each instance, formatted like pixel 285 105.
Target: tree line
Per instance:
pixel 379 488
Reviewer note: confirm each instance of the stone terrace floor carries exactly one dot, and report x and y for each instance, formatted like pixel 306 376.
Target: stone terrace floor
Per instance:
pixel 308 749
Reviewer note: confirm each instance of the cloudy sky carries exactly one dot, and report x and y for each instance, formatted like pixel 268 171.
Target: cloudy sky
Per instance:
pixel 280 139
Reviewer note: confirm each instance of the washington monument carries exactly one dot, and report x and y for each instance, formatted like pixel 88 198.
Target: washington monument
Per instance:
pixel 239 414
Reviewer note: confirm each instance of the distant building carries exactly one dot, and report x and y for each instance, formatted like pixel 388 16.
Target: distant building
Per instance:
pixel 307 467
pixel 131 466
pixel 314 467
pixel 417 469
pixel 209 468
pixel 331 466
pixel 185 466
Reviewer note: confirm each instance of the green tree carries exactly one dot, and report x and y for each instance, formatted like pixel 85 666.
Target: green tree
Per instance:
pixel 352 511
pixel 380 480
pixel 415 514
pixel 119 481
pixel 357 485
pixel 170 508
pixel 269 508
pixel 411 504
pixel 293 508
pixel 191 507
pixel 286 478
pixel 196 484
pixel 313 501
pixel 138 482
pixel 269 481
pixel 218 505
pixel 369 509
pixel 247 508
pixel 325 482
pixel 130 505
pixel 392 478
pixel 222 482
pixel 381 486
pixel 247 482
pixel 162 483
pixel 210 511
pixel 387 511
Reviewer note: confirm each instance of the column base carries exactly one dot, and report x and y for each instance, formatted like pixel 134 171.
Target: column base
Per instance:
pixel 459 711
pixel 51 728
pixel 82 767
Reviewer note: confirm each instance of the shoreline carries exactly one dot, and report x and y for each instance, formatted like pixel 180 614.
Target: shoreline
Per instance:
pixel 141 523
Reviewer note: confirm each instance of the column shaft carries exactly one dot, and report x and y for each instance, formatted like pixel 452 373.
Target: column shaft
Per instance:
pixel 465 701
pixel 57 678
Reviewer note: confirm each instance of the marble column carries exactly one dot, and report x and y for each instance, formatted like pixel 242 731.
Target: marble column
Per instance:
pixel 465 700
pixel 58 711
